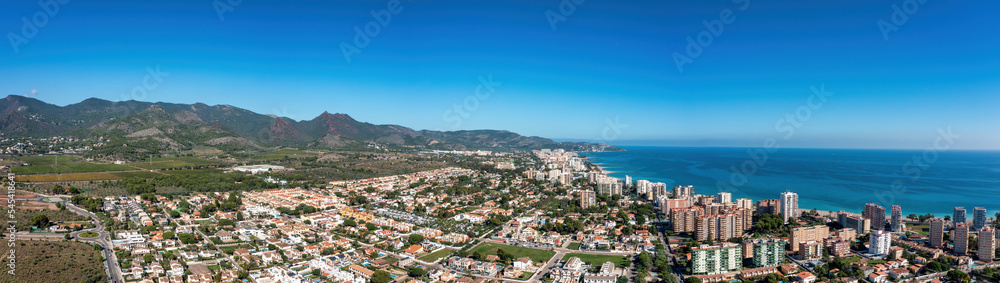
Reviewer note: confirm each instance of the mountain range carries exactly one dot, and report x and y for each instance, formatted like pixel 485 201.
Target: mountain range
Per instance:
pixel 159 127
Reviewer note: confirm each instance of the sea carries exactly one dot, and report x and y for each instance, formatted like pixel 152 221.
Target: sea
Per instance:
pixel 919 181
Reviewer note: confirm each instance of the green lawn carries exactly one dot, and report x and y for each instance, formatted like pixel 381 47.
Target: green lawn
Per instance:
pixel 923 229
pixel 574 246
pixel 436 255
pixel 525 275
pixel 852 259
pixel 536 255
pixel 598 260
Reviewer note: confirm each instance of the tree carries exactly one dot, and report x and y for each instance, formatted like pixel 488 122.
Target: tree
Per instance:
pixel 622 279
pixel 417 272
pixel 316 272
pixel 350 222
pixel 416 239
pixel 40 220
pixel 381 276
pixel 957 276
pixel 187 238
pixel 147 258
pixel 692 279
pixel 643 262
pixel 168 235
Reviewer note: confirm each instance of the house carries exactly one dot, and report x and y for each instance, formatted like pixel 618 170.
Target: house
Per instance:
pixel 805 277
pixel 413 250
pixel 523 263
pixel 877 277
pixel 225 236
pixel 380 263
pixel 361 271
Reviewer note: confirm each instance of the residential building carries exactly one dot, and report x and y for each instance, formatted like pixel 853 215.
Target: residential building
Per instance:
pixel 937 232
pixel 811 233
pixel 896 220
pixel 810 249
pixel 683 219
pixel 587 198
pixel 683 191
pixel 768 206
pixel 847 234
pixel 978 218
pixel 960 237
pixel 765 252
pixel 837 246
pixel 958 214
pixel 789 206
pixel 876 214
pixel 716 259
pixel 879 243
pixel 861 225
pixel 724 197
pixel 987 244
pixel 744 203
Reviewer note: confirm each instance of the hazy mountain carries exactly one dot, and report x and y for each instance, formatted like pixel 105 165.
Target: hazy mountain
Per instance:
pixel 154 127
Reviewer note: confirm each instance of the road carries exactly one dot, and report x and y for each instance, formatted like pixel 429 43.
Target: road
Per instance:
pixel 107 250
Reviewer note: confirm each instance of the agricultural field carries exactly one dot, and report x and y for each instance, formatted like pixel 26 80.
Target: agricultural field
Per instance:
pixel 176 162
pixel 68 177
pixel 140 174
pixel 598 260
pixel 67 164
pixel 535 254
pixel 50 261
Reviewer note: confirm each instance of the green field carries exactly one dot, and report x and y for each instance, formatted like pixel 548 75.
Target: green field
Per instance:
pixel 923 229
pixel 574 246
pixel 97 176
pixel 598 260
pixel 436 255
pixel 67 164
pixel 536 255
pixel 176 162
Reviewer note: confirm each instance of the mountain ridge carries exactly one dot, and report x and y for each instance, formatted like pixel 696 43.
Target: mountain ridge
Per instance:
pixel 173 126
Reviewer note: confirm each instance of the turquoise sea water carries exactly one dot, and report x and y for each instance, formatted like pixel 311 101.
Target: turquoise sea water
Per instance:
pixel 826 179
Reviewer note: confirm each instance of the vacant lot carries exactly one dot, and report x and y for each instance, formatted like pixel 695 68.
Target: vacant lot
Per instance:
pixel 140 174
pixel 436 255
pixel 23 217
pixel 48 261
pixel 536 255
pixel 598 260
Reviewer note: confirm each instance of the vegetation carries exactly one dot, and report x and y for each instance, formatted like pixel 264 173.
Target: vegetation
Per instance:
pixel 48 261
pixel 436 255
pixel 598 260
pixel 536 255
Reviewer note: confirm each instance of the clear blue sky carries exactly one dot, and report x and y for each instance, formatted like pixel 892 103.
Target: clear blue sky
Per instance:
pixel 607 60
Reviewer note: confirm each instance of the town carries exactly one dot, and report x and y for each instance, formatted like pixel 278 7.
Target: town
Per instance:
pixel 547 216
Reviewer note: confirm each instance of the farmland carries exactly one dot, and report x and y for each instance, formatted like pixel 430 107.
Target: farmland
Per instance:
pixel 66 164
pixel 67 177
pixel 177 162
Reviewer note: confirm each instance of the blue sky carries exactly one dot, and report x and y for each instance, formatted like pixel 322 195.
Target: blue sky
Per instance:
pixel 604 61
